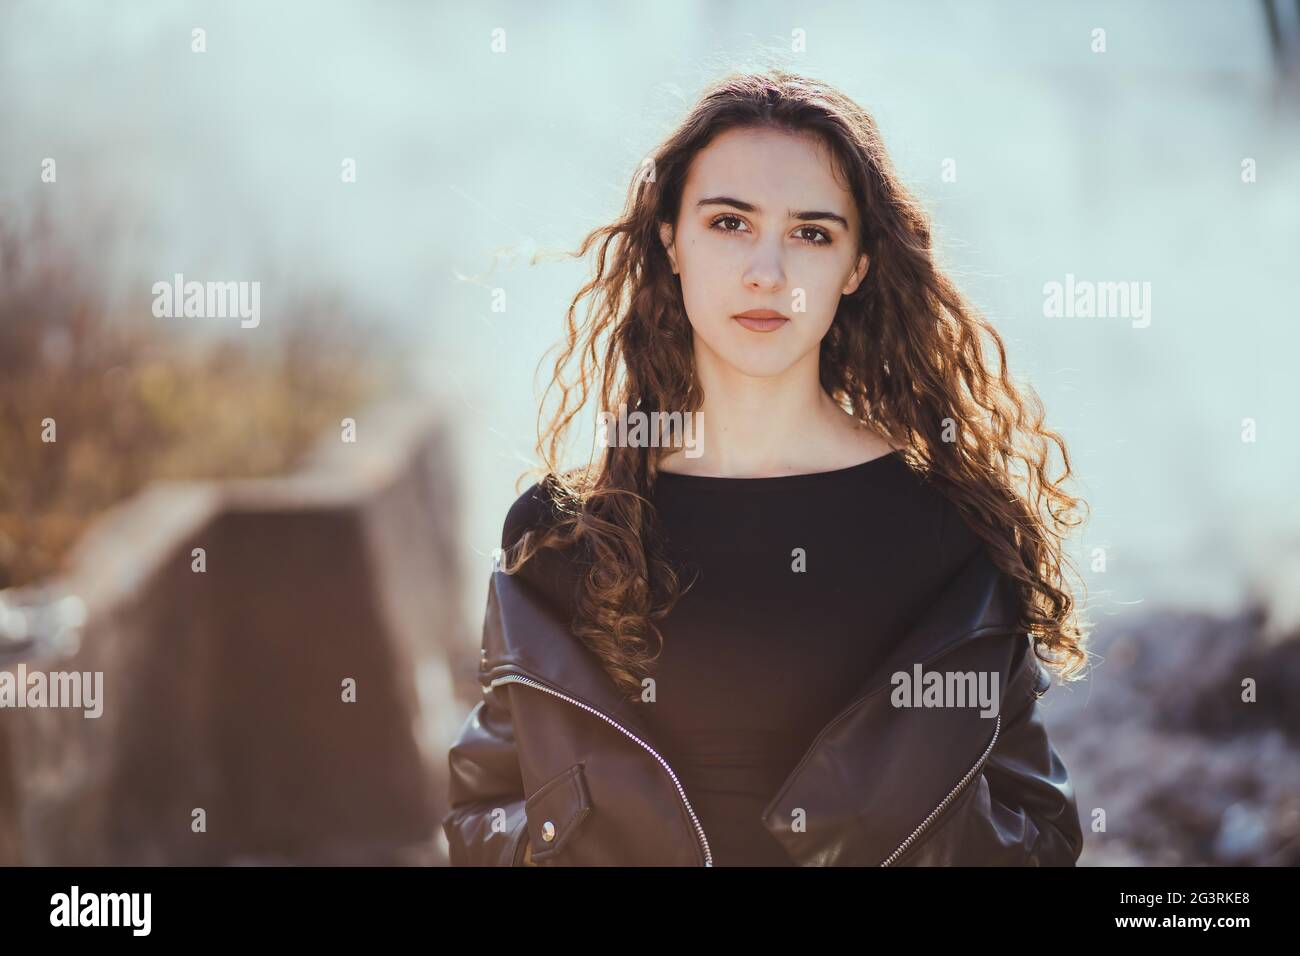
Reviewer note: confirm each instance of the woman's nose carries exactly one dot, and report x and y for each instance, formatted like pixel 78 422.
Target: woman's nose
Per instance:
pixel 765 268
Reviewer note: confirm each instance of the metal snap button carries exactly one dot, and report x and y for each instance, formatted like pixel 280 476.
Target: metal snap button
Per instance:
pixel 548 831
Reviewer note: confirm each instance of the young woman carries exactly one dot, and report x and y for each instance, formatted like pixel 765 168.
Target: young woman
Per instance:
pixel 804 638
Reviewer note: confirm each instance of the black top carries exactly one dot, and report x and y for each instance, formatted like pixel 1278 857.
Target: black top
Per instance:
pixel 759 655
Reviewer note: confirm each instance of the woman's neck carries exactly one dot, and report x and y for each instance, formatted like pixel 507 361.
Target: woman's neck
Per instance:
pixel 756 427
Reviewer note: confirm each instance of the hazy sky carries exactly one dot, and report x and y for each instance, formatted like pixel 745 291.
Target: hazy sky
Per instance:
pixel 1115 166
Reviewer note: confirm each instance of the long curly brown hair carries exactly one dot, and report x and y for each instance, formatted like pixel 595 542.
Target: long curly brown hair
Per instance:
pixel 904 355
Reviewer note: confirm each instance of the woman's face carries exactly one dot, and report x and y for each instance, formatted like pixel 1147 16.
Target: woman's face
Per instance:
pixel 764 225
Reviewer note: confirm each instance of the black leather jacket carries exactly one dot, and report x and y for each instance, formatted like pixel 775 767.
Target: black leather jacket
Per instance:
pixel 553 758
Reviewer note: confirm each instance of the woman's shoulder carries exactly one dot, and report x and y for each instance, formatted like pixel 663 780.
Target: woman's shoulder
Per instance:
pixel 552 573
pixel 533 509
pixel 955 540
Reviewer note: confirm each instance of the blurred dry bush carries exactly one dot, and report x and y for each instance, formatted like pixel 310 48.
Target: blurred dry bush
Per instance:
pixel 136 398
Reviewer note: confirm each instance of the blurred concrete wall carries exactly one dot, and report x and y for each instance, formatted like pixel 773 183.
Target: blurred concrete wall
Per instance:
pixel 224 689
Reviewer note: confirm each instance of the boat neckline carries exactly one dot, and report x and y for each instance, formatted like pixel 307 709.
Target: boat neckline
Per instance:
pixel 767 482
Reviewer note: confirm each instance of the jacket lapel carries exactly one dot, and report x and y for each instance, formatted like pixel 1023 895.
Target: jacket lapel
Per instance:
pixel 521 635
pixel 877 771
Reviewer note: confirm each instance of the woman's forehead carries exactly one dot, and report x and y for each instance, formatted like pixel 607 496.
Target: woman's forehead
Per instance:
pixel 774 171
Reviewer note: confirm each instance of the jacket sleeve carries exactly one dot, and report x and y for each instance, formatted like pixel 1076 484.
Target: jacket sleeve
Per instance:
pixel 1026 800
pixel 486 825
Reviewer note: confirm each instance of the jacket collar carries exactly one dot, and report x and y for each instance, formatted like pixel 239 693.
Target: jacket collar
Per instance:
pixel 521 635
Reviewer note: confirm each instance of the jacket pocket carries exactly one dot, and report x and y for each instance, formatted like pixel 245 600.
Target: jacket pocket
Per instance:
pixel 556 812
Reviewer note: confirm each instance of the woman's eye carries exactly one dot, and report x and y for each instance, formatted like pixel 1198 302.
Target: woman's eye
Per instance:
pixel 812 235
pixel 722 219
pixel 825 239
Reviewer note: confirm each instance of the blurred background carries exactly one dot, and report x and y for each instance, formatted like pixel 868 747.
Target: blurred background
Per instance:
pixel 380 170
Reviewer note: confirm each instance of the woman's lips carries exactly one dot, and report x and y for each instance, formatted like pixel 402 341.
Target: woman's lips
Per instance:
pixel 761 321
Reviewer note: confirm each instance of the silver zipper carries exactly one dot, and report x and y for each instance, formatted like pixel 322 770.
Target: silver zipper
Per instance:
pixel 699 830
pixel 952 794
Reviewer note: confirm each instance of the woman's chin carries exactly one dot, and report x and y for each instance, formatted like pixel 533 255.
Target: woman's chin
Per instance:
pixel 761 366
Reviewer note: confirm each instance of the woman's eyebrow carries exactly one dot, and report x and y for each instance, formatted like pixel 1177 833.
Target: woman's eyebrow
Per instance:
pixel 750 207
